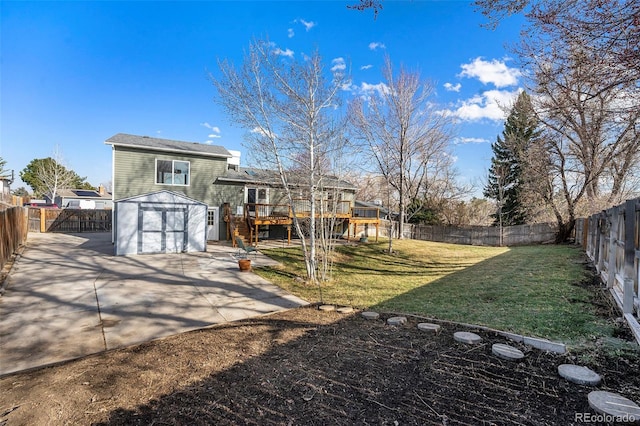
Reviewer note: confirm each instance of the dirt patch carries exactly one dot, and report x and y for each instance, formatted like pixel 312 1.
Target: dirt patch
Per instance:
pixel 305 366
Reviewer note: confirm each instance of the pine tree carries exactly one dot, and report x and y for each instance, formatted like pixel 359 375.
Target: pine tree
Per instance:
pixel 506 181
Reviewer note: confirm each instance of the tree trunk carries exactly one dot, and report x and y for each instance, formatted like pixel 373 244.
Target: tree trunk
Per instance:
pixel 565 229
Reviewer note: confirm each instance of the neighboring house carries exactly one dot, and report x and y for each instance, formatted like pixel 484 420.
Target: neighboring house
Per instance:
pixel 5 188
pixel 250 201
pixel 84 199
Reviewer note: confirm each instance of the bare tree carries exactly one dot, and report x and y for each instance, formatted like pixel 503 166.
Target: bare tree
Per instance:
pixel 371 186
pixel 585 65
pixel 53 175
pixel 609 29
pixel 289 109
pixel 590 127
pixel 404 133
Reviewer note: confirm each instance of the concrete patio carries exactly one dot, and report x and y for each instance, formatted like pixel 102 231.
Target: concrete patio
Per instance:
pixel 67 296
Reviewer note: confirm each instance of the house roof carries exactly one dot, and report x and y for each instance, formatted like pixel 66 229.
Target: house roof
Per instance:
pixel 167 145
pixel 82 194
pixel 270 177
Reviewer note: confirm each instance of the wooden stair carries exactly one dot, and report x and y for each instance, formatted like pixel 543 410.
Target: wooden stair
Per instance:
pixel 236 224
pixel 240 225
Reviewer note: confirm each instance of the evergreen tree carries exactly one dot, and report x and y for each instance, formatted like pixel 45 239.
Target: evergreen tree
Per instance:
pixel 506 180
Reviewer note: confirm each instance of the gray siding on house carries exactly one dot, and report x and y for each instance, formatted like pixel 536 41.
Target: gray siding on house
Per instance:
pixel 134 174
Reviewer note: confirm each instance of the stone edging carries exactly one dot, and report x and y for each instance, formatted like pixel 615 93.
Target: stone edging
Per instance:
pixel 542 344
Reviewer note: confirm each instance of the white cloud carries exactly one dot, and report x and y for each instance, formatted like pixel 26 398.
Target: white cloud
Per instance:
pixel 215 132
pixel 492 105
pixel 287 52
pixel 214 129
pixel 366 89
pixel 463 141
pixel 338 65
pixel 495 72
pixel 290 33
pixel 366 67
pixel 262 132
pixel 307 24
pixel 376 45
pixel 381 88
pixel 348 87
pixel 453 88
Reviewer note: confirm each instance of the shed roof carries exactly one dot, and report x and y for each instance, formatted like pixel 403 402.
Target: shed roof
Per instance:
pixel 167 145
pixel 162 196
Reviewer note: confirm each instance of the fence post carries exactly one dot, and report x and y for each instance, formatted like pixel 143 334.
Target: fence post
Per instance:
pixel 602 218
pixel 613 242
pixel 43 220
pixel 585 232
pixel 629 255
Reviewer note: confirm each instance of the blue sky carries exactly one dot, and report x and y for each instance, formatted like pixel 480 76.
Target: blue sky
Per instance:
pixel 72 74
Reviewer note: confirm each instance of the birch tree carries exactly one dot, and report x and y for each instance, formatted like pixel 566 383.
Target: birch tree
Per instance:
pixel 289 108
pixel 47 176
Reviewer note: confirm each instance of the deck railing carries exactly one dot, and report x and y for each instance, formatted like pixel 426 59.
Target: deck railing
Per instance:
pixel 267 211
pixel 325 207
pixel 365 212
pixel 302 208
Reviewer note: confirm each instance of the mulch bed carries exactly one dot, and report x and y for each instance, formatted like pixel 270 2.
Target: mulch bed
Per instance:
pixel 306 366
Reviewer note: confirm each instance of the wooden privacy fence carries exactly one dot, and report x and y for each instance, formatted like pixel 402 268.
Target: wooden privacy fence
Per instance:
pixel 611 240
pixel 69 220
pixel 472 235
pixel 13 231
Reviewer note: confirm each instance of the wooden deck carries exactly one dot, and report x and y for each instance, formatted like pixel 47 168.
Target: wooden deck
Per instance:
pixel 256 215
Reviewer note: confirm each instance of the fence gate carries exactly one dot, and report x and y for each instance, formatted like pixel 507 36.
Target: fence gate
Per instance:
pixel 69 220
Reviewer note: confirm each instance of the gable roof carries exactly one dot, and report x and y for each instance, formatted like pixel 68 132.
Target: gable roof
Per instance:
pixel 167 145
pixel 161 196
pixel 271 177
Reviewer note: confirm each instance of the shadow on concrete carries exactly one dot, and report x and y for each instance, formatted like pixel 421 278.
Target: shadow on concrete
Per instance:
pixel 66 297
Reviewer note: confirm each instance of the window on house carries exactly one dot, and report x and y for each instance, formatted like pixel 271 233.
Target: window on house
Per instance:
pixel 172 172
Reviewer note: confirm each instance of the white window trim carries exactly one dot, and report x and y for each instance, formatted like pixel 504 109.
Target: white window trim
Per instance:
pixel 257 188
pixel 155 175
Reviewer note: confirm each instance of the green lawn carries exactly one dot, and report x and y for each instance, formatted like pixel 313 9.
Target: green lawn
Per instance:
pixel 528 290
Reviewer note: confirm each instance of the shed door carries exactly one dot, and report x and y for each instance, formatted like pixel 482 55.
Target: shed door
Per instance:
pixel 162 229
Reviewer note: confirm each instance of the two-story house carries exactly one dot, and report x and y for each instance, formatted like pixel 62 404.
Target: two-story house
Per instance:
pixel 246 200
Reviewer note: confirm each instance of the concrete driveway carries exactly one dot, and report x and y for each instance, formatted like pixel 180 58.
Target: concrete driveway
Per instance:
pixel 67 296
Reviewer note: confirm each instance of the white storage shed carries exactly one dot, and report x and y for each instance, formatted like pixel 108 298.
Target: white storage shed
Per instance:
pixel 159 222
